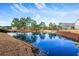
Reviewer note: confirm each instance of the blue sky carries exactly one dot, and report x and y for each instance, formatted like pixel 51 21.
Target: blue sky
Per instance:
pixel 46 12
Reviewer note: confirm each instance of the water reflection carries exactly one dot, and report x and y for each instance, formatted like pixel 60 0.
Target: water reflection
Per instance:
pixel 52 35
pixel 50 44
pixel 21 36
pixel 32 37
pixel 42 35
pixel 27 37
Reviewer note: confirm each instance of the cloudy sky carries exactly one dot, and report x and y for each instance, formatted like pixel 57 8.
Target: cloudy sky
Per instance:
pixel 46 12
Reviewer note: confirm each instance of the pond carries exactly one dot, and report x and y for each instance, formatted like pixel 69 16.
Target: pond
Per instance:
pixel 49 44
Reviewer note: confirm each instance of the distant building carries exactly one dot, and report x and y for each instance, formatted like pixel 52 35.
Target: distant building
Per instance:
pixel 0 27
pixel 14 28
pixel 77 24
pixel 5 27
pixel 67 25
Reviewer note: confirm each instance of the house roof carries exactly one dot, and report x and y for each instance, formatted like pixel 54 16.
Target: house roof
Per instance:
pixel 67 24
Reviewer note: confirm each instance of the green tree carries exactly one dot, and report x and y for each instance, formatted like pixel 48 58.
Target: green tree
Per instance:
pixel 22 22
pixel 72 27
pixel 59 27
pixel 52 26
pixel 42 25
pixel 15 23
pixel 28 22
pixel 34 25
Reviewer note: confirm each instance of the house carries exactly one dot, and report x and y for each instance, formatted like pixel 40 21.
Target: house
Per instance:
pixel 14 28
pixel 5 27
pixel 77 24
pixel 0 27
pixel 67 25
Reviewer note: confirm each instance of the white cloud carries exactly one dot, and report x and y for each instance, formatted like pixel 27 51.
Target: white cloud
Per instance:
pixel 20 8
pixel 53 20
pixel 47 20
pixel 37 16
pixel 4 23
pixel 75 12
pixel 0 15
pixel 40 5
pixel 14 9
pixel 69 14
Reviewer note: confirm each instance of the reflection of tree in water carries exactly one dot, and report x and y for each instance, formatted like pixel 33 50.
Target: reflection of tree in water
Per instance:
pixel 21 36
pixel 52 35
pixel 42 35
pixel 33 37
pixel 25 37
pixel 59 36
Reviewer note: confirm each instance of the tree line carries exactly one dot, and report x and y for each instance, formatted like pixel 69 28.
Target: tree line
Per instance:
pixel 29 23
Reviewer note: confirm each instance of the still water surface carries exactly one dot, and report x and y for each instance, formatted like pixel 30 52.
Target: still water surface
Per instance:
pixel 49 44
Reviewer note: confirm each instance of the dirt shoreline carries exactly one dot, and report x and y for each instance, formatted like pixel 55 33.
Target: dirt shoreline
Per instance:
pixel 10 46
pixel 71 34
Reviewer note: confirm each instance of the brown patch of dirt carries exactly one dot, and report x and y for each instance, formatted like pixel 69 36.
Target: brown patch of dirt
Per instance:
pixel 10 46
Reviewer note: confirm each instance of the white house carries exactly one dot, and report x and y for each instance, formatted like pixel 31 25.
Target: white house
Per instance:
pixel 67 25
pixel 77 24
pixel 14 28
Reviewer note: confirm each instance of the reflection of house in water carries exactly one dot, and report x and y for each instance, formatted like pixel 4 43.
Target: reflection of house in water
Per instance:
pixel 67 25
